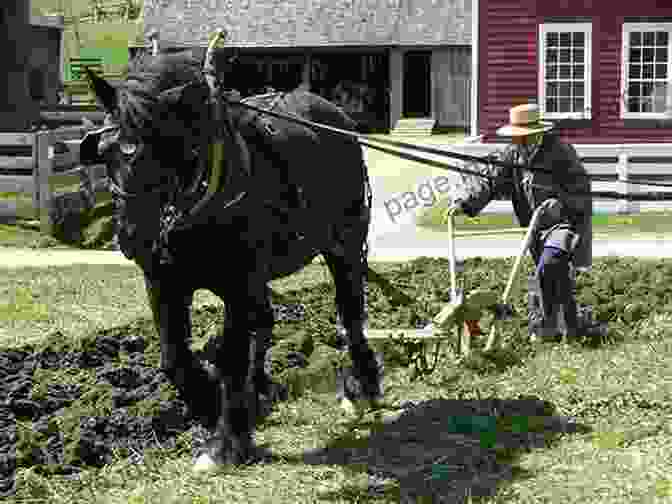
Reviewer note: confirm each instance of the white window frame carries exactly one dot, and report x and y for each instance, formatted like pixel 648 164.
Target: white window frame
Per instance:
pixel 587 29
pixel 625 52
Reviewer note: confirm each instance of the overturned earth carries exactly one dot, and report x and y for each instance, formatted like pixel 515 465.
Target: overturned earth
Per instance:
pixel 68 404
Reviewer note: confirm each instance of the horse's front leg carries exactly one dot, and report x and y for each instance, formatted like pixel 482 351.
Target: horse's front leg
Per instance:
pixel 237 358
pixel 170 302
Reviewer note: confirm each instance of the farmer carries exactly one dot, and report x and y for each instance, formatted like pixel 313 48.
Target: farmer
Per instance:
pixel 563 238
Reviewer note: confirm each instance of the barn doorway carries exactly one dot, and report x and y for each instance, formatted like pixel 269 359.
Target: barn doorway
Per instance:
pixel 417 84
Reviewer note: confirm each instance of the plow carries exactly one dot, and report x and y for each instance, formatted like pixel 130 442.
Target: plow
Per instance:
pixel 460 319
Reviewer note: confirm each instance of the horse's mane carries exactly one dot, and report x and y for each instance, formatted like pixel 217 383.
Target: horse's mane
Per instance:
pixel 147 76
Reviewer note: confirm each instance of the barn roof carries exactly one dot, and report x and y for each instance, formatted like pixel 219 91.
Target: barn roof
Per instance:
pixel 311 23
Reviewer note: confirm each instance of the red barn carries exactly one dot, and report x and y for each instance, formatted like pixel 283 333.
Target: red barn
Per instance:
pixel 602 68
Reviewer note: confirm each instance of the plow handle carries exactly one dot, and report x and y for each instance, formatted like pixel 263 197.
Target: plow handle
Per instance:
pixel 527 240
pixel 451 255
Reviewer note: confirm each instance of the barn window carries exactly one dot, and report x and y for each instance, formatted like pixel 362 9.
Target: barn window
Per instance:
pixel 646 76
pixel 564 70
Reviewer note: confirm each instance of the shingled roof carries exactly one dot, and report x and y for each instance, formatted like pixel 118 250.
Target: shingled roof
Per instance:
pixel 311 23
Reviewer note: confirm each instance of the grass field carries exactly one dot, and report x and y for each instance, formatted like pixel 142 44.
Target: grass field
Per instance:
pixel 618 393
pixel 659 222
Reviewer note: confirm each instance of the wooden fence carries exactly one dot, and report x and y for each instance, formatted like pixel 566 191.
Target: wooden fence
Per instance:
pixel 36 167
pixel 618 162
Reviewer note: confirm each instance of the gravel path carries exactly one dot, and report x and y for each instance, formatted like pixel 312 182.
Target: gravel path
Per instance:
pixel 407 243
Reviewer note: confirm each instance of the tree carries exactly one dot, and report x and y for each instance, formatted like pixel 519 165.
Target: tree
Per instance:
pixel 17 110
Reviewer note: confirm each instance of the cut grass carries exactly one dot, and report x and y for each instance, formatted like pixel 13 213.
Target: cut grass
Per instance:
pixel 621 393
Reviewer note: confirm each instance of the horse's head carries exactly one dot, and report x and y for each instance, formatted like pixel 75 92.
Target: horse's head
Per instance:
pixel 156 120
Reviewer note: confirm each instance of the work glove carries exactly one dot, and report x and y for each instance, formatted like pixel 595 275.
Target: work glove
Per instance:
pixel 551 213
pixel 454 210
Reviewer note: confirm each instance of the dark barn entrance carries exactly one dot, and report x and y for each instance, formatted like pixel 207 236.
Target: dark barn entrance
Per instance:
pixel 417 84
pixel 355 79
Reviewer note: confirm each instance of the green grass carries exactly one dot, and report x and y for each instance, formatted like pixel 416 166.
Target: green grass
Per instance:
pixel 620 391
pixel 649 222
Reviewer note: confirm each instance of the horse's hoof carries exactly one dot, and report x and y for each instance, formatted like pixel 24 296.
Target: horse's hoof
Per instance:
pixel 205 463
pixel 358 407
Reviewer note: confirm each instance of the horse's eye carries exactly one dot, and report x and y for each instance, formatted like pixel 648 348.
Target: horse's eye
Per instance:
pixel 128 148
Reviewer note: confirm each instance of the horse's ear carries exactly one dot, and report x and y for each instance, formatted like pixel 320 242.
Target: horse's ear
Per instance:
pixel 190 95
pixel 103 90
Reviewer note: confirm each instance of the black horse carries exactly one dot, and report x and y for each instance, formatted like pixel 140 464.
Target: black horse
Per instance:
pixel 290 193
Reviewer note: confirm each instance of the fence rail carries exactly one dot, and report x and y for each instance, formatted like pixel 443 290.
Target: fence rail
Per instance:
pixel 31 183
pixel 624 162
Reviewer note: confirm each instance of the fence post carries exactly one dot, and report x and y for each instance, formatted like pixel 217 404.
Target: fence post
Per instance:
pixel 36 180
pixel 622 168
pixel 44 170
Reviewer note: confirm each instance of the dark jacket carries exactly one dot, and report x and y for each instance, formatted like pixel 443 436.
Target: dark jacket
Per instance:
pixel 528 189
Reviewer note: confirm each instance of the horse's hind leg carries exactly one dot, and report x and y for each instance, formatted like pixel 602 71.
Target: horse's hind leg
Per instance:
pixel 347 265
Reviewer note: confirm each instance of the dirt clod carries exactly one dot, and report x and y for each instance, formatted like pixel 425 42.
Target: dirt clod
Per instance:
pixel 125 406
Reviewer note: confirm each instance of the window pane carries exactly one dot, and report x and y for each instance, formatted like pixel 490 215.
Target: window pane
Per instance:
pixel 661 55
pixel 633 104
pixel 578 89
pixel 647 55
pixel 659 97
pixel 661 38
pixel 579 38
pixel 565 55
pixel 648 72
pixel 563 89
pixel 564 105
pixel 551 72
pixel 565 71
pixel 578 55
pixel 634 90
pixel 647 88
pixel 551 55
pixel 646 105
pixel 551 105
pixel 649 38
pixel 635 71
pixel 661 71
pixel 565 39
pixel 635 39
pixel 578 72
pixel 578 105
pixel 636 55
pixel 551 89
pixel 552 39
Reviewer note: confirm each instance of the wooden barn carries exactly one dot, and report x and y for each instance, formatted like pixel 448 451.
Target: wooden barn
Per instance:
pixel 601 69
pixel 382 60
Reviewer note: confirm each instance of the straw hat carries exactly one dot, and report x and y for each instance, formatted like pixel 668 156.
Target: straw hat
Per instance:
pixel 524 120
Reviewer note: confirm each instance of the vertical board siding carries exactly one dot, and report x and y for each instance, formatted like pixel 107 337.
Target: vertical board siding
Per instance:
pixel 509 69
pixel 451 90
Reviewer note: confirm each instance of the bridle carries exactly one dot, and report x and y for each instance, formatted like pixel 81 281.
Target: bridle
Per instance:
pixel 118 192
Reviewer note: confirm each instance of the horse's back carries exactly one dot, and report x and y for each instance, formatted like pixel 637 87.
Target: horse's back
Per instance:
pixel 329 167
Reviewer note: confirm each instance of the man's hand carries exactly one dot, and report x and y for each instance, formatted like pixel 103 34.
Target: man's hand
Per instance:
pixel 552 208
pixel 453 210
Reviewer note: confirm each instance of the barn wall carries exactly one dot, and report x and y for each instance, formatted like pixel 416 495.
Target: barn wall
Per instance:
pixel 508 55
pixel 451 73
pixel 508 69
